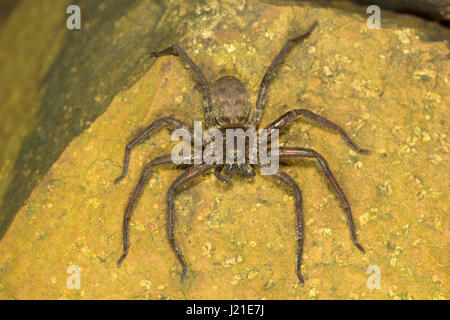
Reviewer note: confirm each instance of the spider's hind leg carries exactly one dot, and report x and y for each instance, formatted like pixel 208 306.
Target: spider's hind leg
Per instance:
pixel 182 179
pixel 287 180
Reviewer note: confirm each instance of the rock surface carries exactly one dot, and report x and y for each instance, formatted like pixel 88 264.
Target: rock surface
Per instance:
pixel 435 9
pixel 388 88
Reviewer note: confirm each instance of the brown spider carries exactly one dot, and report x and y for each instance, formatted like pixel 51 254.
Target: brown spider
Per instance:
pixel 225 105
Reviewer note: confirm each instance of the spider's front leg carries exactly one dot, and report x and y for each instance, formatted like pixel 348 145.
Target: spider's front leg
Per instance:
pixel 289 116
pixel 145 176
pixel 170 121
pixel 176 50
pixel 258 111
pixel 179 182
pixel 291 152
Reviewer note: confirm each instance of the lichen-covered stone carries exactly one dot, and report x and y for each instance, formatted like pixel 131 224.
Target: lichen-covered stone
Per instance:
pixel 388 88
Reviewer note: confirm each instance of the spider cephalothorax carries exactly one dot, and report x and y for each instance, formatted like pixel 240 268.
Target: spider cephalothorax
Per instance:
pixel 230 102
pixel 226 105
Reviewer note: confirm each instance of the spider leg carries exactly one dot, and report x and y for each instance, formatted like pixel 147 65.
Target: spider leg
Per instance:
pixel 145 176
pixel 182 179
pixel 287 118
pixel 257 113
pixel 290 152
pixel 144 134
pixel 286 179
pixel 205 88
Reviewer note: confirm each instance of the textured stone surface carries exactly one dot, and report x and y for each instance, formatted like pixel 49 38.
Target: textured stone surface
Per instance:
pixel 56 82
pixel 436 9
pixel 388 88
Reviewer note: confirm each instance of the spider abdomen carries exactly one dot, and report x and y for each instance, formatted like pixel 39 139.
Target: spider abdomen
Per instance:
pixel 231 102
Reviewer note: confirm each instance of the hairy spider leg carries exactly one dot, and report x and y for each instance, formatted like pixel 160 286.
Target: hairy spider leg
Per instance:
pixel 289 116
pixel 205 86
pixel 170 121
pixel 182 179
pixel 134 198
pixel 258 111
pixel 294 152
pixel 299 224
